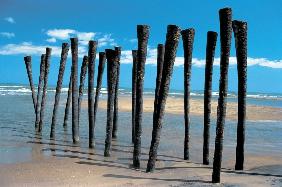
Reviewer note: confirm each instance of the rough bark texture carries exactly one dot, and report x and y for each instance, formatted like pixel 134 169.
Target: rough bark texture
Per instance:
pixel 188 40
pixel 142 35
pixel 134 75
pixel 210 50
pixel 160 62
pixel 172 39
pixel 83 72
pixel 75 127
pixel 111 56
pixel 101 66
pixel 91 72
pixel 41 77
pixel 64 55
pixel 43 101
pixel 240 33
pixel 28 65
pixel 225 16
pixel 115 124
pixel 68 103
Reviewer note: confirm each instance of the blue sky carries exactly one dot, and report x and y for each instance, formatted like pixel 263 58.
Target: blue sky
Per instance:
pixel 27 27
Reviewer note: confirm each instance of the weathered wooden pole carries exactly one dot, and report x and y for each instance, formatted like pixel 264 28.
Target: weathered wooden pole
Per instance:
pixel 133 102
pixel 83 72
pixel 101 66
pixel 240 33
pixel 160 62
pixel 210 50
pixel 111 56
pixel 143 36
pixel 64 55
pixel 75 127
pixel 92 46
pixel 115 124
pixel 225 16
pixel 43 101
pixel 28 65
pixel 41 77
pixel 188 40
pixel 68 103
pixel 172 39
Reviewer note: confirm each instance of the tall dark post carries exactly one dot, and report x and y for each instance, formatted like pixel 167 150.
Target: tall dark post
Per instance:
pixel 134 75
pixel 75 127
pixel 225 16
pixel 160 63
pixel 28 66
pixel 43 101
pixel 91 71
pixel 240 33
pixel 172 39
pixel 111 56
pixel 115 124
pixel 64 55
pixel 41 77
pixel 83 72
pixel 143 36
pixel 68 103
pixel 101 66
pixel 210 50
pixel 188 40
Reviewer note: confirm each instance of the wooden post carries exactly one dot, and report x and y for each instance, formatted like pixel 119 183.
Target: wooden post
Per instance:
pixel 41 77
pixel 68 103
pixel 75 127
pixel 225 16
pixel 188 40
pixel 240 33
pixel 134 75
pixel 91 71
pixel 28 65
pixel 83 72
pixel 111 56
pixel 160 62
pixel 172 39
pixel 210 50
pixel 64 55
pixel 115 124
pixel 142 35
pixel 43 101
pixel 101 66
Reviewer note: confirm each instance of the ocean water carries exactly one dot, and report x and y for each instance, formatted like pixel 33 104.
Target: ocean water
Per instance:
pixel 17 126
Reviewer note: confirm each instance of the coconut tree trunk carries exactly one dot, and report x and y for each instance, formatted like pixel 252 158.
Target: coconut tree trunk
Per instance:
pixel 101 66
pixel 210 49
pixel 75 127
pixel 68 103
pixel 134 75
pixel 225 16
pixel 172 39
pixel 160 62
pixel 28 66
pixel 115 124
pixel 83 72
pixel 41 77
pixel 91 71
pixel 43 101
pixel 142 35
pixel 188 40
pixel 64 55
pixel 240 33
pixel 112 58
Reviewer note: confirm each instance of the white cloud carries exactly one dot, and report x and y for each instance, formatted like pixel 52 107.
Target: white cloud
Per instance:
pixel 61 34
pixel 134 40
pixel 7 34
pixel 106 40
pixel 10 20
pixel 51 40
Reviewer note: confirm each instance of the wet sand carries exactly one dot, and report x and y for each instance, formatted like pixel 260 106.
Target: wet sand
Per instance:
pixel 175 106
